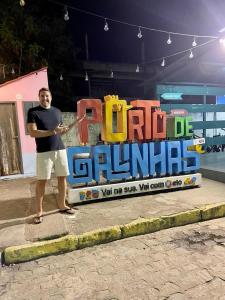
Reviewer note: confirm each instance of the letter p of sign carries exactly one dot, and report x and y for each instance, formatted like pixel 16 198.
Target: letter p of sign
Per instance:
pixel 95 105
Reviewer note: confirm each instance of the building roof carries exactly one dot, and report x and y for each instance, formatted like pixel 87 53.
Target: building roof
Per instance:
pixel 44 69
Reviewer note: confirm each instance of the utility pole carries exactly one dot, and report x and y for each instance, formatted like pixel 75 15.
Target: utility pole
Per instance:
pixel 143 66
pixel 86 46
pixel 20 62
pixel 87 59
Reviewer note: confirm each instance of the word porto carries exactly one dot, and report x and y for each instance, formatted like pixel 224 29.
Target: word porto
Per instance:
pixel 140 121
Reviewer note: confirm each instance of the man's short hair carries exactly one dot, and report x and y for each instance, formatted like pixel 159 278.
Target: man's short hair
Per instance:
pixel 44 89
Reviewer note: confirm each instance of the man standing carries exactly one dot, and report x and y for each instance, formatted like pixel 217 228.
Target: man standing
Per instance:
pixel 44 123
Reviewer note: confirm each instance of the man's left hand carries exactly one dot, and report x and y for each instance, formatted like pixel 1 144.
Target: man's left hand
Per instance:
pixel 61 129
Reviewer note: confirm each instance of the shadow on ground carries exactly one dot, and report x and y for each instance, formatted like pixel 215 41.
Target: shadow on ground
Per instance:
pixel 21 208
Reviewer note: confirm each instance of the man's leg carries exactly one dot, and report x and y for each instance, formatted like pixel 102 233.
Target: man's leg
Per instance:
pixel 40 191
pixel 62 171
pixel 62 192
pixel 44 165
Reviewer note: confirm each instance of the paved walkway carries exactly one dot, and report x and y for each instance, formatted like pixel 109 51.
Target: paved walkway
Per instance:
pixel 17 202
pixel 175 264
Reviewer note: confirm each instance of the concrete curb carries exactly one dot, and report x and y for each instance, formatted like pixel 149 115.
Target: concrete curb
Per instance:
pixel 100 236
pixel 141 226
pixel 213 211
pixel 182 218
pixel 22 253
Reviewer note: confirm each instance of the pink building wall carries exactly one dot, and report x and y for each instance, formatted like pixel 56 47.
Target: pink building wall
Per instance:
pixel 24 89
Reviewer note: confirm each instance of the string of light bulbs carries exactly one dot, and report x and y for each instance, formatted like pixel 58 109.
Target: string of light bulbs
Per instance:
pixel 162 59
pixel 190 50
pixel 139 27
pixel 140 30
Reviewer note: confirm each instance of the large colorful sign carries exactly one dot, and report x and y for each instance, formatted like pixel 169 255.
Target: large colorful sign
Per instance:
pixel 138 142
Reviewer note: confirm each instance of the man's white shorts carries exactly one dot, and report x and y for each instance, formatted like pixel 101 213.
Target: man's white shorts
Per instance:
pixel 47 160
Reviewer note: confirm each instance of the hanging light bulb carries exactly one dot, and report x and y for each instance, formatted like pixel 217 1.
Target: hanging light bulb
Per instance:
pixel 106 27
pixel 111 74
pixel 163 63
pixel 222 42
pixel 13 71
pixel 191 55
pixel 86 76
pixel 22 3
pixel 222 30
pixel 137 69
pixel 66 14
pixel 169 41
pixel 139 33
pixel 61 77
pixel 194 43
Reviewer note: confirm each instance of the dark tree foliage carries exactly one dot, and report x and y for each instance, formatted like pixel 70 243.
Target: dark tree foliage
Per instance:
pixel 34 36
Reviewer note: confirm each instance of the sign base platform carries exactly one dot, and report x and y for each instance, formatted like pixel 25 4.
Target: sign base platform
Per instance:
pixel 119 189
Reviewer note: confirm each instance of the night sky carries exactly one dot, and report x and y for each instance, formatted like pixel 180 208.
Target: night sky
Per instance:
pixel 120 43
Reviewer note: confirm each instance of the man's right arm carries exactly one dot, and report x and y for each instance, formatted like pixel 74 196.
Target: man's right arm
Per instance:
pixel 36 133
